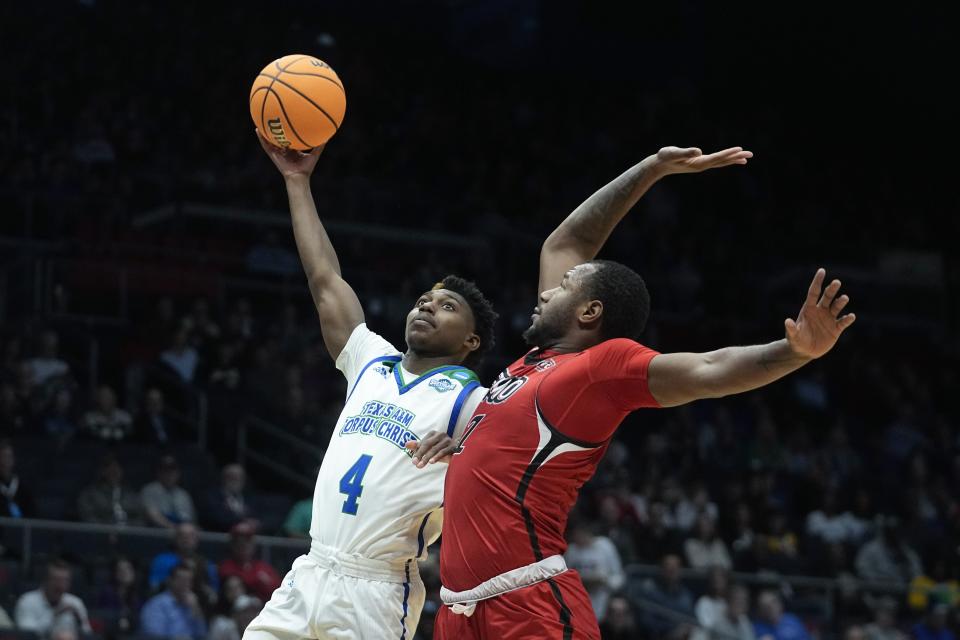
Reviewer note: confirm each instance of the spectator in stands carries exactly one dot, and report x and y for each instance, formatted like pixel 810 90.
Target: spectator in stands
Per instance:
pixel 934 625
pixel 108 500
pixel 887 556
pixel 16 499
pixel 297 523
pixel 707 549
pixel 854 633
pixel 941 585
pixel 773 623
pixel 107 421
pixel 5 621
pixel 52 607
pixel 711 605
pixel 620 623
pixel 176 612
pixel 225 375
pixel 181 357
pixel 884 625
pixel 830 525
pixel 260 578
pixel 119 600
pixel 666 591
pixel 59 422
pixel 617 523
pixel 596 559
pixel 742 538
pixel 766 452
pixel 153 424
pixel 186 539
pixel 166 503
pixel 780 545
pixel 733 623
pixel 47 365
pixel 230 589
pixel 229 505
pixel 841 460
pixel 20 404
pixel 656 540
pixel 689 510
pixel 202 330
pixel 244 609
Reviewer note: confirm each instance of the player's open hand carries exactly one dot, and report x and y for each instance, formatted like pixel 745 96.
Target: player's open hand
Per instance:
pixel 819 323
pixel 676 160
pixel 436 446
pixel 289 161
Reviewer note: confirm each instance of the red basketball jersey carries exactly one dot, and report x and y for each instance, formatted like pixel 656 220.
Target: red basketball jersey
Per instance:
pixel 535 439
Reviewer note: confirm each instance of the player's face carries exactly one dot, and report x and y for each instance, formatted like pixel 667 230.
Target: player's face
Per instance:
pixel 556 313
pixel 441 324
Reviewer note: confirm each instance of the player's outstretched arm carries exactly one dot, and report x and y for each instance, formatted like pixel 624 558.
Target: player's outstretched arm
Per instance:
pixel 579 238
pixel 337 303
pixel 678 378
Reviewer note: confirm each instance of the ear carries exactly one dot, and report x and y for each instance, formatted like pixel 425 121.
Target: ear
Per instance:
pixel 472 343
pixel 591 313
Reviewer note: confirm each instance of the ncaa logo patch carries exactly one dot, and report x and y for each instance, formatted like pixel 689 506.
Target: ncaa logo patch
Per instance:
pixel 442 384
pixel 382 371
pixel 546 364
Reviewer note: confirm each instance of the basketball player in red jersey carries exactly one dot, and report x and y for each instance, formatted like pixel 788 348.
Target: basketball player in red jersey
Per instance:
pixel 545 423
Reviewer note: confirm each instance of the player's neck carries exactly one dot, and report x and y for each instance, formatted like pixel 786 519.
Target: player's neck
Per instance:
pixel 566 345
pixel 418 364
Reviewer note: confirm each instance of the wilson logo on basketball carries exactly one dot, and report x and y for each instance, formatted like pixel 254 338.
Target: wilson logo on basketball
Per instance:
pixel 276 130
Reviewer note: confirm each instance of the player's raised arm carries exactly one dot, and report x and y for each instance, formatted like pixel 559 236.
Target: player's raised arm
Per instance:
pixel 678 378
pixel 580 236
pixel 337 304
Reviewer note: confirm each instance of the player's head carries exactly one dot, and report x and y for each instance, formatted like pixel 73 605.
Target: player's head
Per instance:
pixel 452 319
pixel 595 301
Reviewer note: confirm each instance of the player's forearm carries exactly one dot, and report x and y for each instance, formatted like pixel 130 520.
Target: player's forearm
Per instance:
pixel 738 369
pixel 316 251
pixel 588 227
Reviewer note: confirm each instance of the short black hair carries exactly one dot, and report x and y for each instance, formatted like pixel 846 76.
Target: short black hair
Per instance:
pixel 484 317
pixel 626 301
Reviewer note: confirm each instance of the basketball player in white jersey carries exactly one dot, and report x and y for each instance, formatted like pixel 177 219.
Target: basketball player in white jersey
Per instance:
pixel 375 513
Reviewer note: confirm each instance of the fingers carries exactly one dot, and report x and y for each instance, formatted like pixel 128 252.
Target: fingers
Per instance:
pixel 263 141
pixel 829 294
pixel 847 320
pixel 433 447
pixel 813 293
pixel 727 157
pixel 791 328
pixel 838 305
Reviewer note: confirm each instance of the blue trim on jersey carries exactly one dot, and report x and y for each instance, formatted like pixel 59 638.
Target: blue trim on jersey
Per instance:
pixel 406 387
pixel 420 540
pixel 406 595
pixel 458 405
pixel 393 359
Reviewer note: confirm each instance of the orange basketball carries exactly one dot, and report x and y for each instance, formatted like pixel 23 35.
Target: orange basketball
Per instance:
pixel 298 102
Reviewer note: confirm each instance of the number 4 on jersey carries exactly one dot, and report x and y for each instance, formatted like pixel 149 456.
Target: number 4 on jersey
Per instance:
pixel 350 483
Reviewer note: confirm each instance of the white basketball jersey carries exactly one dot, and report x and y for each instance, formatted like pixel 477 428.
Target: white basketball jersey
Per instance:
pixel 370 499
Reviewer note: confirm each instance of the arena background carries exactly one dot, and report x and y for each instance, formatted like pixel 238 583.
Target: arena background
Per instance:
pixel 138 210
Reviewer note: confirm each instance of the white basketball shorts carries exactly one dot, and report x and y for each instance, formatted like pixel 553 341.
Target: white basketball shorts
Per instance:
pixel 331 595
